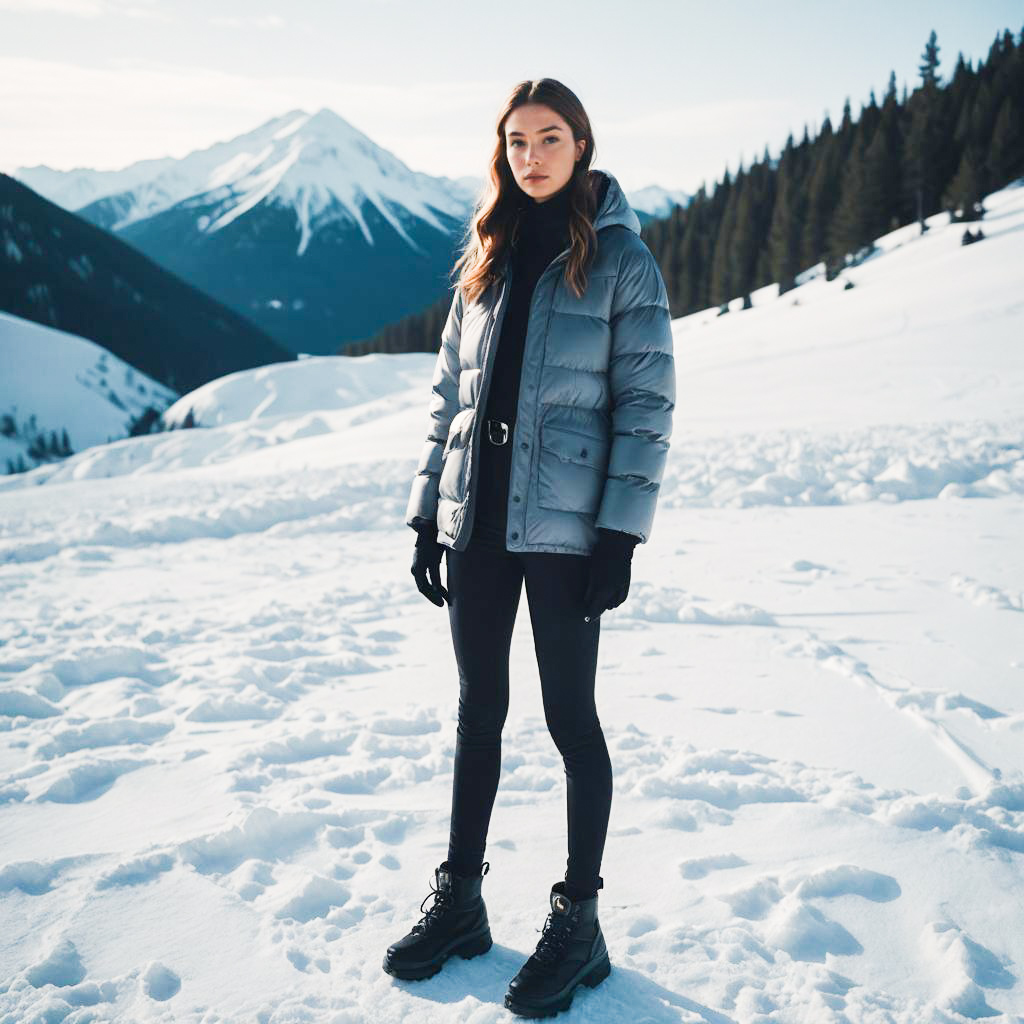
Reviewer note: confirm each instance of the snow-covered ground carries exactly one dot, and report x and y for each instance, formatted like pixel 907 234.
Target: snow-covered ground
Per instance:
pixel 228 717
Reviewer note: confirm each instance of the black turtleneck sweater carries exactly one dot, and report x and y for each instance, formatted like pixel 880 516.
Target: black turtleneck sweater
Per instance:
pixel 543 234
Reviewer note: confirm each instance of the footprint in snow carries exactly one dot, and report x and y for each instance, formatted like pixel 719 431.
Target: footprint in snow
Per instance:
pixel 62 967
pixel 138 871
pixel 159 982
pixel 701 867
pixel 805 933
pixel 89 781
pixel 315 899
pixel 32 877
pixel 847 879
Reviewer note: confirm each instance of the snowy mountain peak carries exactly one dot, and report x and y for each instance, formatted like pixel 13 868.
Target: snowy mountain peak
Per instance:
pixel 657 201
pixel 319 165
pixel 327 120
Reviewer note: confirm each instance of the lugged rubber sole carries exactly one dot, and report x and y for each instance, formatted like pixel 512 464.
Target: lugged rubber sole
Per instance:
pixel 591 979
pixel 472 947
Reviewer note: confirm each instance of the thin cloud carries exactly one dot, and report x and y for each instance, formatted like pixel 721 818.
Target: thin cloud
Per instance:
pixel 88 8
pixel 108 117
pixel 264 22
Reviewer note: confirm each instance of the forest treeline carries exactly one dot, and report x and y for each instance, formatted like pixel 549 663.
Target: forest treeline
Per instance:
pixel 825 199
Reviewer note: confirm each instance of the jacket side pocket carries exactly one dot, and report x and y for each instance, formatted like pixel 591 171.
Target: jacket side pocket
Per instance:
pixel 570 470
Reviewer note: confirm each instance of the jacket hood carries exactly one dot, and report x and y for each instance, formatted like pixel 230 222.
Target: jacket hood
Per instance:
pixel 614 208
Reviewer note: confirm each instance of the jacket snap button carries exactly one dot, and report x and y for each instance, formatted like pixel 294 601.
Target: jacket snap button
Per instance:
pixel 584 453
pixel 515 497
pixel 515 535
pixel 524 445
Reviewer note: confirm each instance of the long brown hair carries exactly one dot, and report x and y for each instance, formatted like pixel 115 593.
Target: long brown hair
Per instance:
pixel 495 219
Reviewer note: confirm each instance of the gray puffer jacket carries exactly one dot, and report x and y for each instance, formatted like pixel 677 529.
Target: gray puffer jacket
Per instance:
pixel 595 405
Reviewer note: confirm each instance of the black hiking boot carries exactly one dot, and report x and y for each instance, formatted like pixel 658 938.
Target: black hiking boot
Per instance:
pixel 571 952
pixel 455 924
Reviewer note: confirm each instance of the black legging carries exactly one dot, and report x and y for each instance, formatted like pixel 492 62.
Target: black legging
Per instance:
pixel 484 584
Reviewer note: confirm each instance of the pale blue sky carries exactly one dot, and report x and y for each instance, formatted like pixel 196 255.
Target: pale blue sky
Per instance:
pixel 676 91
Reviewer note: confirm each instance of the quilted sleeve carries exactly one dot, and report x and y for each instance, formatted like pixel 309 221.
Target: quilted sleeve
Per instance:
pixel 444 404
pixel 642 382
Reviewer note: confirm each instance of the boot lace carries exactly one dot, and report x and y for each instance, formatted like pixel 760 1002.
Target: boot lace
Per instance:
pixel 557 930
pixel 442 904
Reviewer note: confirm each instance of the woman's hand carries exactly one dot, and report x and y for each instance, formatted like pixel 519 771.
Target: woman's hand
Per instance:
pixel 608 583
pixel 426 565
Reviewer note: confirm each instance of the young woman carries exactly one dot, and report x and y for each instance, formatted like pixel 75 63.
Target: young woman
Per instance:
pixel 550 417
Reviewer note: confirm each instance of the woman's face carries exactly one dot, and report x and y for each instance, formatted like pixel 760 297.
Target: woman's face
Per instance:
pixel 540 150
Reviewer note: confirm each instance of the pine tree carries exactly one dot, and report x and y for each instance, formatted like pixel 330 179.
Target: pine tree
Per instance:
pixel 1006 153
pixel 787 220
pixel 822 198
pixel 879 186
pixel 695 258
pixel 723 268
pixel 845 136
pixel 849 230
pixel 924 139
pixel 963 196
pixel 743 250
pixel 891 126
pixel 870 116
pixel 765 188
pixel 930 62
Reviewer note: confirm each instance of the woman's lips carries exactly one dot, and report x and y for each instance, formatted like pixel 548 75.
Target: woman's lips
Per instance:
pixel 535 177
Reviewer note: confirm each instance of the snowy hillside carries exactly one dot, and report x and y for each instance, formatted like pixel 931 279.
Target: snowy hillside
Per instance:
pixel 295 389
pixel 227 717
pixel 52 381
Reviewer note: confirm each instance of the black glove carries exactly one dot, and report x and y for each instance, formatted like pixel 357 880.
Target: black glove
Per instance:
pixel 426 564
pixel 608 583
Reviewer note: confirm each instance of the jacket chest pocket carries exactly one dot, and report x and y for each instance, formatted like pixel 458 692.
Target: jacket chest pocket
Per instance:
pixel 571 470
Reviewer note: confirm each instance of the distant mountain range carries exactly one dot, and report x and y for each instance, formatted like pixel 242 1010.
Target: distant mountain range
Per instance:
pixel 304 226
